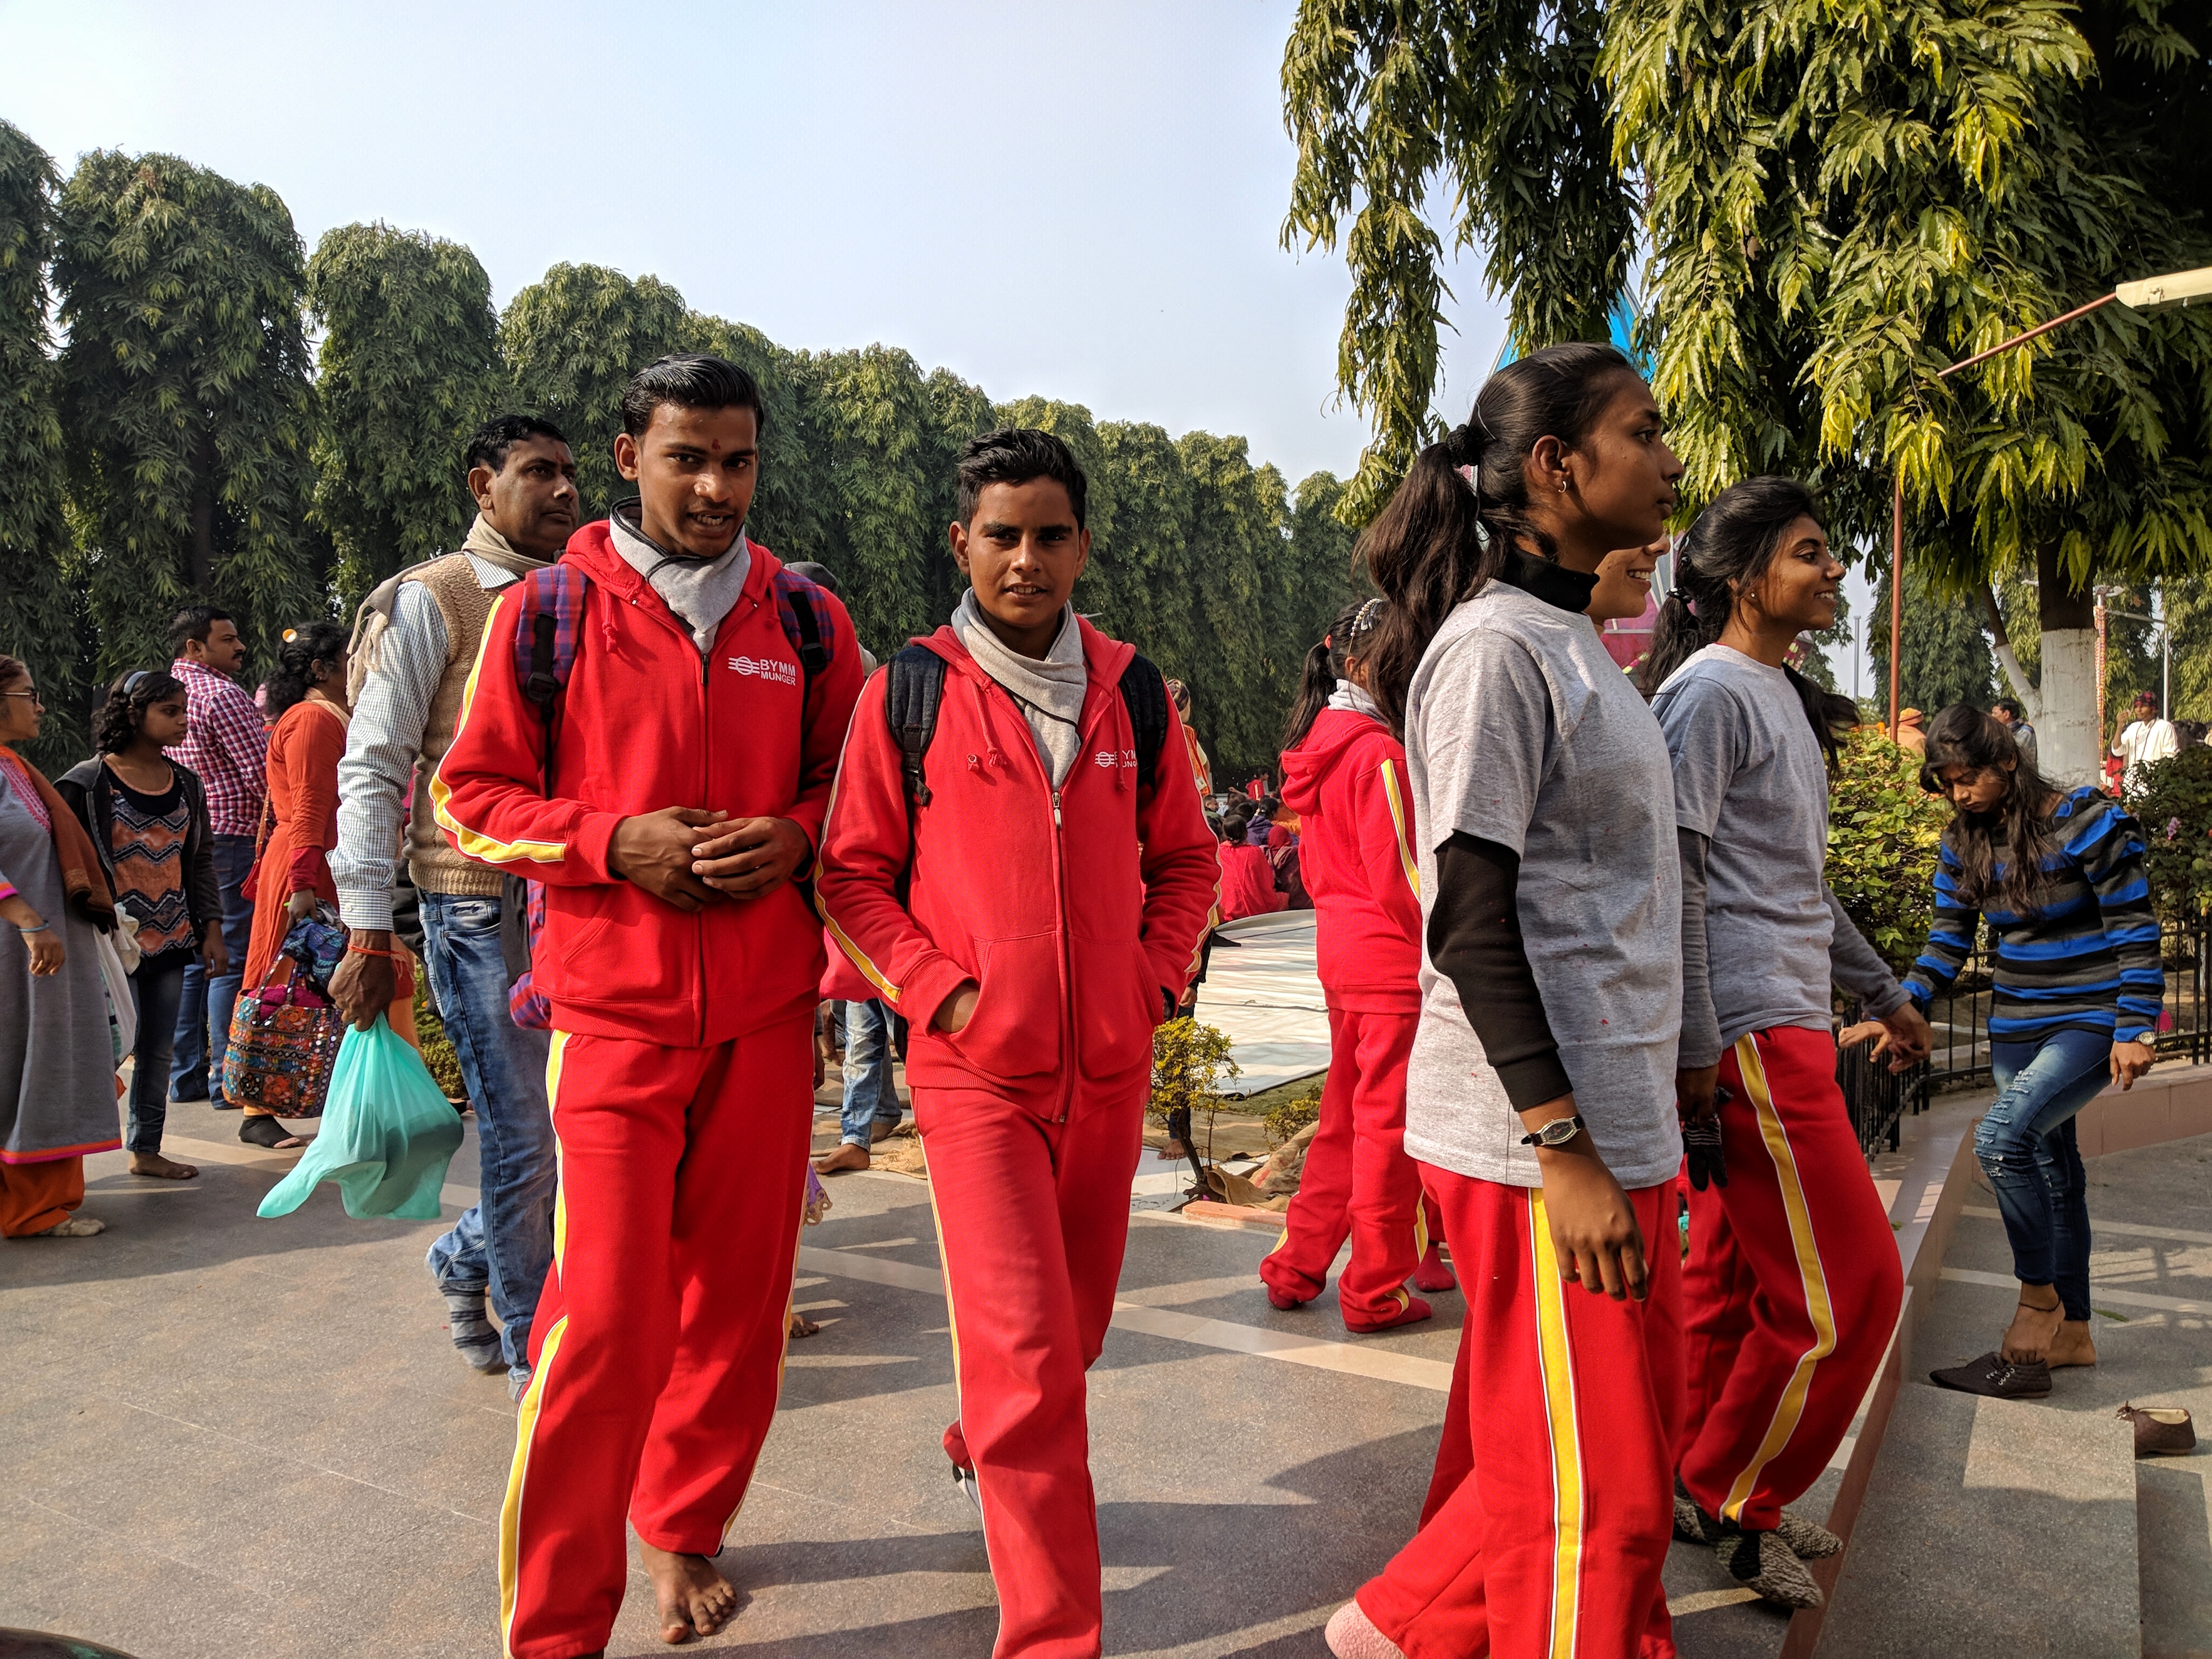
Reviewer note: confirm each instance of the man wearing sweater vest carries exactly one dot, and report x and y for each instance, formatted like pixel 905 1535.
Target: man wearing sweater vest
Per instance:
pixel 413 647
pixel 1034 911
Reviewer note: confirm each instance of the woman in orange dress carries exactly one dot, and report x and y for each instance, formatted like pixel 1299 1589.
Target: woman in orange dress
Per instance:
pixel 307 699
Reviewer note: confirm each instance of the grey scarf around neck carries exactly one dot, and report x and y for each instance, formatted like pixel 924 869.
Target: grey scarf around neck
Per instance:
pixel 1350 698
pixel 1050 692
pixel 700 591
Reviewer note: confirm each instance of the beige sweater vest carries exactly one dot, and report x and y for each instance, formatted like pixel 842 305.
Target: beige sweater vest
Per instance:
pixel 465 606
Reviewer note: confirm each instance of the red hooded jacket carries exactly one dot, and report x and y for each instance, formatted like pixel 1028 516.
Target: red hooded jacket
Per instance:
pixel 1073 909
pixel 1347 782
pixel 646 723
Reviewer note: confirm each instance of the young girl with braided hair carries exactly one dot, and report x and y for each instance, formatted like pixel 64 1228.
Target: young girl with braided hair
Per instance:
pixel 1793 1284
pixel 1344 774
pixel 1539 1091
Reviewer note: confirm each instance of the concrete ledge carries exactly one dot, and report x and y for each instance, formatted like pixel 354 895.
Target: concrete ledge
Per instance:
pixel 2172 1103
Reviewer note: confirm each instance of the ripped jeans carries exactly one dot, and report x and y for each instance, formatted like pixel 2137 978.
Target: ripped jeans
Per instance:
pixel 2026 1145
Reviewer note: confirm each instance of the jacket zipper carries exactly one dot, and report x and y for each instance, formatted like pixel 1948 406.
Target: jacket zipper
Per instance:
pixel 1068 1032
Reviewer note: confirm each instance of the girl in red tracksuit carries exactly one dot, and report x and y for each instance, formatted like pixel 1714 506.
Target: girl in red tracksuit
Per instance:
pixel 1034 912
pixel 1345 774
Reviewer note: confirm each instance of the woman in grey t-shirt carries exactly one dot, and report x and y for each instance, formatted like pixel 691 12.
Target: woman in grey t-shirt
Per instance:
pixel 1792 1285
pixel 1540 1093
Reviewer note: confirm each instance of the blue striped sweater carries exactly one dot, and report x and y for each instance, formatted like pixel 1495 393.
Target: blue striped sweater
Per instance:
pixel 2088 961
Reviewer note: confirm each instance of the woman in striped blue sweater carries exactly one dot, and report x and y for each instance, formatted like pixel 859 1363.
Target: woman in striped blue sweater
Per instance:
pixel 2059 877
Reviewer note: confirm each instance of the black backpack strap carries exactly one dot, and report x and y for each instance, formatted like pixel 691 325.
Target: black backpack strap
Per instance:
pixel 798 602
pixel 915 687
pixel 1145 693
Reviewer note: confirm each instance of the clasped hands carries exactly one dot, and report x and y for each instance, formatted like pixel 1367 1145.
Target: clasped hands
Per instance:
pixel 692 858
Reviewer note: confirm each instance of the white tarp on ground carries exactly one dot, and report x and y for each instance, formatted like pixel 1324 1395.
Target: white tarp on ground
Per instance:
pixel 1261 990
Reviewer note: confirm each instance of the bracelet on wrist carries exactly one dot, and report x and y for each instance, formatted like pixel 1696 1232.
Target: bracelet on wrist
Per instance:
pixel 366 950
pixel 42 927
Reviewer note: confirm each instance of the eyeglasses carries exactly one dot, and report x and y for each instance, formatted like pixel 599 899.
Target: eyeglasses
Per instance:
pixel 32 695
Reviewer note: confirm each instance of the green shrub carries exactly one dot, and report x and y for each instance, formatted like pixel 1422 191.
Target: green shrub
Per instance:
pixel 1190 1062
pixel 2175 807
pixel 1283 1119
pixel 1882 833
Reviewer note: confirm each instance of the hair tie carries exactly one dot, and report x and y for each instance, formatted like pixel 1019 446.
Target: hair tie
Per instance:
pixel 1460 447
pixel 290 635
pixel 130 681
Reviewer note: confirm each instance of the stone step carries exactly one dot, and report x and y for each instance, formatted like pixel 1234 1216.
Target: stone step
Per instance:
pixel 1992 1527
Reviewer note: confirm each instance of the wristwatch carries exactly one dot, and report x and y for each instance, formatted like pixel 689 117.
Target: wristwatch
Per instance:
pixel 1558 1132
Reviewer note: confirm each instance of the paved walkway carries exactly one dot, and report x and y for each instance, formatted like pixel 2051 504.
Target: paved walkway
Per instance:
pixel 229 1439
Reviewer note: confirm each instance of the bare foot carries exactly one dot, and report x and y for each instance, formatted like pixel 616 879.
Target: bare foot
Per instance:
pixel 693 1596
pixel 2074 1345
pixel 802 1326
pixel 2035 1321
pixel 847 1157
pixel 153 1164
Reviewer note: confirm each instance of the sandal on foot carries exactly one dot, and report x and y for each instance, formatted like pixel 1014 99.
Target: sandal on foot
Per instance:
pixel 261 1131
pixel 1761 1562
pixel 77 1226
pixel 1352 1635
pixel 1998 1377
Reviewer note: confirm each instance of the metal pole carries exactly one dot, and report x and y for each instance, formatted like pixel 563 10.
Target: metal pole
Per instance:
pixel 2040 328
pixel 1896 597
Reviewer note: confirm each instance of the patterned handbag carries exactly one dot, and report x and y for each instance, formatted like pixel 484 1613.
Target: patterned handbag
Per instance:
pixel 283 1042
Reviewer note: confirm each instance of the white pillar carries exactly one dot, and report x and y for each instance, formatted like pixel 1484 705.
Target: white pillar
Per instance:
pixel 2069 748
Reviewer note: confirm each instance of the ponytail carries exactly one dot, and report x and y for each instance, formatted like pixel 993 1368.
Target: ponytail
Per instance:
pixel 1444 534
pixel 1727 550
pixel 304 647
pixel 1349 636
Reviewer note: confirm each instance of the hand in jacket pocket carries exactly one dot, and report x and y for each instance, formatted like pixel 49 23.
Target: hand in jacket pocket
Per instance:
pixel 957 1010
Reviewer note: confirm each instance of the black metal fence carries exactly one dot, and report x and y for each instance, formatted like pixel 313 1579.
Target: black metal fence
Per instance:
pixel 1880 1100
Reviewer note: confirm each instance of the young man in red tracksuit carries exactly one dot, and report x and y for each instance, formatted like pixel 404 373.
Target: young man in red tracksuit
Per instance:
pixel 1345 775
pixel 679 787
pixel 1053 916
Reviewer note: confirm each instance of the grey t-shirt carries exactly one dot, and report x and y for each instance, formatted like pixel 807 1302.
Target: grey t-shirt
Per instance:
pixel 1521 730
pixel 1749 777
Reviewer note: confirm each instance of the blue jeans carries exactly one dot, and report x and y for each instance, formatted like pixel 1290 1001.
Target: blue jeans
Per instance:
pixel 503 1242
pixel 156 989
pixel 204 1006
pixel 869 1092
pixel 2026 1145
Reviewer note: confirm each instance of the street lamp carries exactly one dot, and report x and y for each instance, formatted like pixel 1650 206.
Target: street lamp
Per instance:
pixel 2152 294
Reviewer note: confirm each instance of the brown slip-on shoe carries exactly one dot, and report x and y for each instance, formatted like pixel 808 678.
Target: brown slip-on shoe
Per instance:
pixel 1998 1377
pixel 2160 1430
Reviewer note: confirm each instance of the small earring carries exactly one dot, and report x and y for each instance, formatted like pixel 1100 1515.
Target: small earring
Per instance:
pixel 1563 486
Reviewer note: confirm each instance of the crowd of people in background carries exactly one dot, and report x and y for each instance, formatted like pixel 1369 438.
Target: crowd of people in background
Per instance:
pixel 664 838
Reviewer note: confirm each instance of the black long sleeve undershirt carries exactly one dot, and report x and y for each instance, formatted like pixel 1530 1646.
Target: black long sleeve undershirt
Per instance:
pixel 1474 940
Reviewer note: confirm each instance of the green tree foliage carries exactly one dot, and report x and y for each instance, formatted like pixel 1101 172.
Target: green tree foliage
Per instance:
pixel 42 617
pixel 2175 807
pixel 869 415
pixel 1495 108
pixel 1947 656
pixel 1882 832
pixel 1151 579
pixel 2189 614
pixel 186 401
pixel 789 508
pixel 408 367
pixel 1234 547
pixel 1317 581
pixel 1838 202
pixel 572 340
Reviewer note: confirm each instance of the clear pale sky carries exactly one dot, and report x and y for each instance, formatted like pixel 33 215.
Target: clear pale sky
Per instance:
pixel 1077 200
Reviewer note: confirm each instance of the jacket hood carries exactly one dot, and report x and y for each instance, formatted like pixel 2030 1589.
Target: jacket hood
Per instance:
pixel 1335 733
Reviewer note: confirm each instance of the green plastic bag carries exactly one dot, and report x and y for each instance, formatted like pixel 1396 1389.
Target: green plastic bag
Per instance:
pixel 388 1132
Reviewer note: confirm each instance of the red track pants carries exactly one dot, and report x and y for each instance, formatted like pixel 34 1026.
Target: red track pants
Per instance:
pixel 1793 1285
pixel 1357 1181
pixel 658 1349
pixel 1032 1218
pixel 1549 1514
